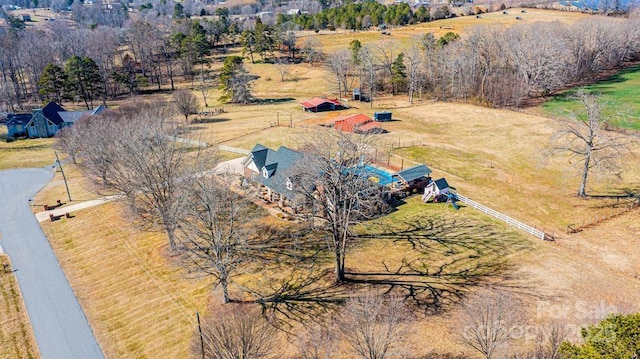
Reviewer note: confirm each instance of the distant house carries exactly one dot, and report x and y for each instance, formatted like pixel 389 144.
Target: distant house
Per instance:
pixel 273 172
pixel 359 123
pixel 318 104
pixel 17 125
pixel 45 121
pixel 24 17
pixel 294 12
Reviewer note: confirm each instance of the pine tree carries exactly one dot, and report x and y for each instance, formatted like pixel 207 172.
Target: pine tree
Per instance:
pixel 235 81
pixel 84 81
pixel 52 82
pixel 399 71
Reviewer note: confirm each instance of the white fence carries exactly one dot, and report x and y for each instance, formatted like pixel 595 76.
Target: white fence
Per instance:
pixel 233 149
pixel 510 221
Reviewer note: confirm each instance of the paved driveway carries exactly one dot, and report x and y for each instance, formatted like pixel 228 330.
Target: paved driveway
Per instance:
pixel 59 324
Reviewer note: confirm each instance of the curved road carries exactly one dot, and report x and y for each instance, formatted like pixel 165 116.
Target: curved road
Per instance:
pixel 60 326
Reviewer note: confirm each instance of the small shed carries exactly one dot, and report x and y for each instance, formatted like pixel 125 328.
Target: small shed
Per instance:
pixel 413 176
pixel 356 94
pixel 435 189
pixel 382 116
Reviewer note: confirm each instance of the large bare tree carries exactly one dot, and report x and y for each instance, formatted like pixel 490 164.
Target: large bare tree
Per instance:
pixel 132 151
pixel 488 321
pixel 215 229
pixel 339 64
pixel 236 331
pixel 335 180
pixel 373 325
pixel 185 102
pixel 586 138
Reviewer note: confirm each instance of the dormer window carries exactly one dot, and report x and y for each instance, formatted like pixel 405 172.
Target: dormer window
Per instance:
pixel 289 184
pixel 265 173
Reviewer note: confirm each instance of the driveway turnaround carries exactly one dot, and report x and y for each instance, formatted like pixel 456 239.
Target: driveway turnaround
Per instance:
pixel 60 326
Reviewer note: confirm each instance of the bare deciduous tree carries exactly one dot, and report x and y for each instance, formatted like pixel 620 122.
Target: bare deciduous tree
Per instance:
pixel 69 139
pixel 374 325
pixel 320 341
pixel 283 68
pixel 549 339
pixel 414 61
pixel 339 64
pixel 488 321
pixel 586 138
pixel 311 51
pixel 341 193
pixel 215 229
pixel 185 102
pixel 133 151
pixel 236 331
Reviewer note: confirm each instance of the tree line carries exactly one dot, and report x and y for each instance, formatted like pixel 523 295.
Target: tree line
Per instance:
pixel 500 66
pixel 358 16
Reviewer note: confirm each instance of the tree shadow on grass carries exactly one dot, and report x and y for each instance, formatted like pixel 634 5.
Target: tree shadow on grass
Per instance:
pixel 270 101
pixel 441 259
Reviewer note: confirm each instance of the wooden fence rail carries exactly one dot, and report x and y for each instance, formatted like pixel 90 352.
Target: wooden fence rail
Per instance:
pixel 241 151
pixel 503 217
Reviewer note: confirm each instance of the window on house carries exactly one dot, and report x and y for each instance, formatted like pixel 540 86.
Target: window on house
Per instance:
pixel 19 127
pixel 289 184
pixel 265 173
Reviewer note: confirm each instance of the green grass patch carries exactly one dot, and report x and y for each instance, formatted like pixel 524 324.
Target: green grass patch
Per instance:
pixel 619 99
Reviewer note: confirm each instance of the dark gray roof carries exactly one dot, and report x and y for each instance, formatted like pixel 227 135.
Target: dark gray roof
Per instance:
pixel 278 164
pixel 18 119
pixel 441 183
pixel 413 173
pixel 259 155
pixel 51 111
pixel 73 116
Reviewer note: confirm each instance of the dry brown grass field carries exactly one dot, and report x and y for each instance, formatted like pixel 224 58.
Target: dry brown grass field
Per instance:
pixel 335 40
pixel 142 305
pixel 16 336
pixel 23 154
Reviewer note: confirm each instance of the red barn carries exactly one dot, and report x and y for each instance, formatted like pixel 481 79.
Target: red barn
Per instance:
pixel 350 123
pixel 319 104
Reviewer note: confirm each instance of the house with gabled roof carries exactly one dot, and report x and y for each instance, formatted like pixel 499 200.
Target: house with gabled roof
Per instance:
pixel 45 121
pixel 17 125
pixel 319 104
pixel 273 171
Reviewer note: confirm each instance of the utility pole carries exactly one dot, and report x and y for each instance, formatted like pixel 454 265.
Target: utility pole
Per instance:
pixel 200 331
pixel 63 176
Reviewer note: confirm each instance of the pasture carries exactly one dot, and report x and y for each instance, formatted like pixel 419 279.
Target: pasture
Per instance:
pixel 332 41
pixel 619 100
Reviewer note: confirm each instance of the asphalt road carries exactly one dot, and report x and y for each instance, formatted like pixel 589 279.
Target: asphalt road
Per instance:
pixel 59 324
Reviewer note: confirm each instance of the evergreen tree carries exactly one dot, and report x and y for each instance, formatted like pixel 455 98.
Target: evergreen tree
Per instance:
pixel 83 80
pixel 235 81
pixel 399 71
pixel 618 336
pixel 52 82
